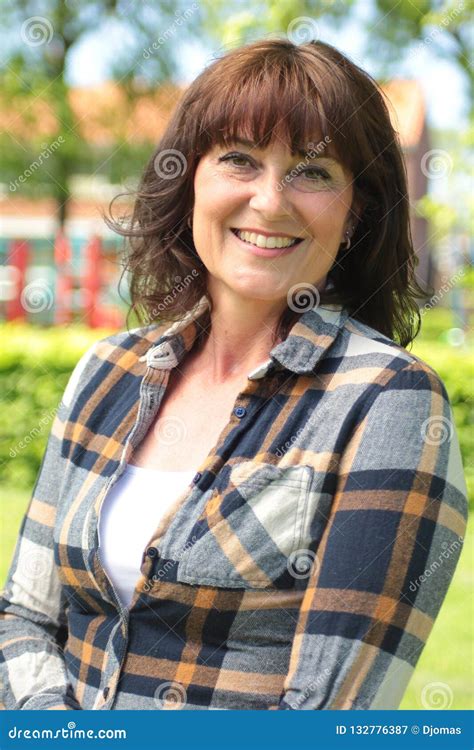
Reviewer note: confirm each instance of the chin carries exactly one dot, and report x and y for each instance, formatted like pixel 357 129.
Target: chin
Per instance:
pixel 257 289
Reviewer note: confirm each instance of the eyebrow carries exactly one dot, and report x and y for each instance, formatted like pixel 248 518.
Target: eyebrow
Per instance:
pixel 300 152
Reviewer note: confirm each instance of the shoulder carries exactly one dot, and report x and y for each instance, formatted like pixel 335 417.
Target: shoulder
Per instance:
pixel 119 351
pixel 389 363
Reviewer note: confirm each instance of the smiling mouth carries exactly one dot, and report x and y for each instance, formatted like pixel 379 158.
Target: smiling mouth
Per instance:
pixel 263 242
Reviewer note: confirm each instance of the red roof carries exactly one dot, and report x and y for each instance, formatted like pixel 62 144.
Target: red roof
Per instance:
pixel 407 110
pixel 105 115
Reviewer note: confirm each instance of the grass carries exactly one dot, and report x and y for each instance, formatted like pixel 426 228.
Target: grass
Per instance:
pixel 12 508
pixel 446 659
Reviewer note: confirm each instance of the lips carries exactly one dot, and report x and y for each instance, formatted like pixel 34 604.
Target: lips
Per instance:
pixel 286 238
pixel 265 252
pixel 253 230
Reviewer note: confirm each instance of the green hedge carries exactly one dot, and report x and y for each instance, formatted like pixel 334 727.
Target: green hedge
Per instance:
pixel 455 366
pixel 35 364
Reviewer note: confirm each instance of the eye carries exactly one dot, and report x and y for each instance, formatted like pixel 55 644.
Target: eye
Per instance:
pixel 231 158
pixel 320 173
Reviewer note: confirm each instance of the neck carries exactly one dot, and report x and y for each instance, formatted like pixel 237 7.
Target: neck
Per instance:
pixel 242 333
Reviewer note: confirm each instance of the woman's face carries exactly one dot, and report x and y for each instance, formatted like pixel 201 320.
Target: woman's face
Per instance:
pixel 242 188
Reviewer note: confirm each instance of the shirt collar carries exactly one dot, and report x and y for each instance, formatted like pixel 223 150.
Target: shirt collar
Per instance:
pixel 309 338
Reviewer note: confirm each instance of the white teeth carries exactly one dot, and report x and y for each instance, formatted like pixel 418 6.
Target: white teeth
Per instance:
pixel 261 240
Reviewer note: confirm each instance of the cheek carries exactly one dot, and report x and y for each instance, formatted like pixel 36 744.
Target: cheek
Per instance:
pixel 325 210
pixel 214 197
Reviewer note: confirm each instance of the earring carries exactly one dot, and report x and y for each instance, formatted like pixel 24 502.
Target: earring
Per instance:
pixel 347 235
pixel 189 222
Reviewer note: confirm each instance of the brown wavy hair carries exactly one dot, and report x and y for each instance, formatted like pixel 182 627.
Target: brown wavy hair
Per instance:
pixel 266 89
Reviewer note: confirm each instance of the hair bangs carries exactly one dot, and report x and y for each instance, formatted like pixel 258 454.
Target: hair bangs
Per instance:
pixel 278 104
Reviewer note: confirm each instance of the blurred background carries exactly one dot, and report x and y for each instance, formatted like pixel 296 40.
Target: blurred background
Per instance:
pixel 86 91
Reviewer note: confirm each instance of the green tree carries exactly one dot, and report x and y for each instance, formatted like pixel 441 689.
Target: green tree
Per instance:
pixel 38 39
pixel 443 26
pixel 231 24
pixel 392 29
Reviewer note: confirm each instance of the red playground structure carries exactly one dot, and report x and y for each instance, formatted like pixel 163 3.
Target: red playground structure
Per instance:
pixel 65 295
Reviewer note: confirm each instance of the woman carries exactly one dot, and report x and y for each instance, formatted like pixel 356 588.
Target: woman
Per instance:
pixel 238 506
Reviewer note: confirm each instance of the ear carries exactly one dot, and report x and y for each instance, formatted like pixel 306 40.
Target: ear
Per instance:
pixel 354 215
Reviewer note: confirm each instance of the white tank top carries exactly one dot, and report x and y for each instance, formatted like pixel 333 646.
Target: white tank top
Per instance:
pixel 129 514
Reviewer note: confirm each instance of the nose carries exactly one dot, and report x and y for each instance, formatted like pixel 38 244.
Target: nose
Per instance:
pixel 269 198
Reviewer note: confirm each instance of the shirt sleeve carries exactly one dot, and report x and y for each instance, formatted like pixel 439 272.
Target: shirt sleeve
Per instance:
pixel 388 552
pixel 33 622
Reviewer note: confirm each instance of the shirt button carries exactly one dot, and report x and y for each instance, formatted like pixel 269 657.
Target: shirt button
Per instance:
pixel 152 552
pixel 197 477
pixel 240 411
pixel 106 692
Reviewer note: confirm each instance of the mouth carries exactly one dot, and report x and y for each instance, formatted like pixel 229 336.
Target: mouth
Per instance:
pixel 274 244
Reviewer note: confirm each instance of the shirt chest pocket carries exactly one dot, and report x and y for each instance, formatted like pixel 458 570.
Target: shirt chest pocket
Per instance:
pixel 251 532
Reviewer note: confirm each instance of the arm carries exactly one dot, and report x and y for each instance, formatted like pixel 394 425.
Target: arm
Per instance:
pixel 33 620
pixel 387 554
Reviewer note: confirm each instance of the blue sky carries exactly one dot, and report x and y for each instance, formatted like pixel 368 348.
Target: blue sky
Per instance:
pixel 443 84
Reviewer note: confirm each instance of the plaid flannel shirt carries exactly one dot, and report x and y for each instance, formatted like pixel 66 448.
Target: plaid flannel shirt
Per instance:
pixel 302 568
